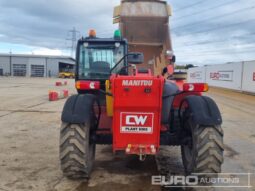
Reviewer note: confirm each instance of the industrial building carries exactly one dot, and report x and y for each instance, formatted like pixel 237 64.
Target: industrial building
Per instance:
pixel 34 65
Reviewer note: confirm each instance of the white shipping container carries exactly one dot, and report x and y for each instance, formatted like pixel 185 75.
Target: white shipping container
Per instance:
pixel 225 75
pixel 196 75
pixel 248 81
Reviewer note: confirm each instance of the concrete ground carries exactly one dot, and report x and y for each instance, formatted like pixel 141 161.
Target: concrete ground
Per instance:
pixel 29 135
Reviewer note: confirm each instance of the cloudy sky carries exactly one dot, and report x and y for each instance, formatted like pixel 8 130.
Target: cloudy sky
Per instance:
pixel 203 31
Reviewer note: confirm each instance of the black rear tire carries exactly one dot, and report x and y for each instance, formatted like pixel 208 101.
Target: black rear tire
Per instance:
pixel 77 154
pixel 204 153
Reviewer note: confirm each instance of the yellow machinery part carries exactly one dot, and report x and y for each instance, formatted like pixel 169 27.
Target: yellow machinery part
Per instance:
pixel 66 75
pixel 109 100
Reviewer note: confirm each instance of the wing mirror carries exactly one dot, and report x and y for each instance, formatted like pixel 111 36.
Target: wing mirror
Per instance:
pixel 135 58
pixel 174 59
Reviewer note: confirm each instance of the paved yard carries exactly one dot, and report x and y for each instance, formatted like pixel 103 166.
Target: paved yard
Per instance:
pixel 29 135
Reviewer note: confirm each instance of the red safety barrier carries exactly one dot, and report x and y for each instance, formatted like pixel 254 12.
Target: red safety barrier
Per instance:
pixel 64 94
pixel 58 84
pixel 54 95
pixel 61 84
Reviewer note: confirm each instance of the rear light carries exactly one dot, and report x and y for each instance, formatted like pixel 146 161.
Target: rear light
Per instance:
pixel 87 85
pixel 195 87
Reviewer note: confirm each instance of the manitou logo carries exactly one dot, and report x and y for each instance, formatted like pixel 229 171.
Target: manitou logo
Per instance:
pixel 131 122
pixel 137 83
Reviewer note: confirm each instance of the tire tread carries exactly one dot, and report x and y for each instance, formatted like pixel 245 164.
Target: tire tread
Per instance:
pixel 73 150
pixel 210 149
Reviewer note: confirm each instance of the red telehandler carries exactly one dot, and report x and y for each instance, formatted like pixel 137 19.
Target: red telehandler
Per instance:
pixel 125 101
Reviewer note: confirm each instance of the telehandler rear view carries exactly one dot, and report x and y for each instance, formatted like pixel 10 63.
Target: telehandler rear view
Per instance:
pixel 124 103
pixel 135 113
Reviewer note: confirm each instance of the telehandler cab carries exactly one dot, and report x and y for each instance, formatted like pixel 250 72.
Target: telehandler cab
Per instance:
pixel 135 111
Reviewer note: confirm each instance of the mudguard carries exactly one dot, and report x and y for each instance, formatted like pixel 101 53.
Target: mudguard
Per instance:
pixel 204 110
pixel 169 88
pixel 77 108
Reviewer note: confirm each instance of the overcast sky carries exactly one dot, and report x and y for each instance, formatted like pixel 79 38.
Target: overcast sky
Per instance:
pixel 203 31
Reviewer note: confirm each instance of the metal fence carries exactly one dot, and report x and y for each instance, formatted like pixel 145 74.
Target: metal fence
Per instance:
pixel 236 76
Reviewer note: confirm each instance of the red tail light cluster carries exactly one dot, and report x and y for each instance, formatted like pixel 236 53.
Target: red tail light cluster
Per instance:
pixel 195 87
pixel 87 85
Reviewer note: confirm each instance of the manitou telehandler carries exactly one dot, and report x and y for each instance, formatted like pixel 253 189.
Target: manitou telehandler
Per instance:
pixel 125 99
